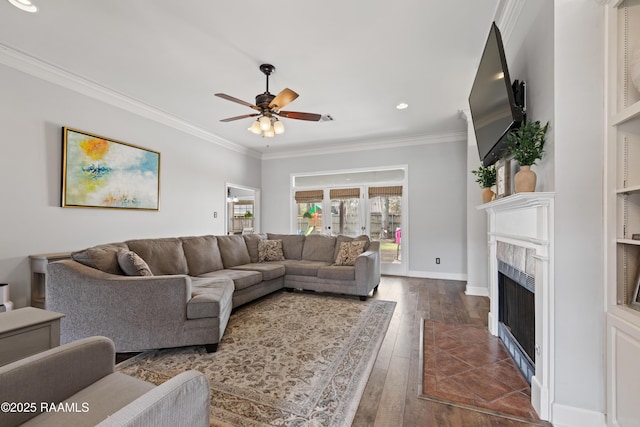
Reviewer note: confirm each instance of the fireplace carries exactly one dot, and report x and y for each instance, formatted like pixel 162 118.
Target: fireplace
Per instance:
pixel 516 316
pixel 521 291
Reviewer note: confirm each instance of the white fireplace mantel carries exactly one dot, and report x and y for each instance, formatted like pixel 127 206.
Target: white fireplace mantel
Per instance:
pixel 526 219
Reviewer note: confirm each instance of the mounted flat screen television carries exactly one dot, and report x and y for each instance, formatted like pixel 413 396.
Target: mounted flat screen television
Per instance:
pixel 496 105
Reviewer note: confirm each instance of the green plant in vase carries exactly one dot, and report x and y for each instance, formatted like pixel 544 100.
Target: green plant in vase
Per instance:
pixel 526 144
pixel 486 177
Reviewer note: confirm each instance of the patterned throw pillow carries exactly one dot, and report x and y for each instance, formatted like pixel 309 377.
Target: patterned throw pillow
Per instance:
pixel 349 251
pixel 270 250
pixel 132 265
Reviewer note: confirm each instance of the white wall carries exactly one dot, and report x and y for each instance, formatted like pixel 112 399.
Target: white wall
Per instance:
pixel 579 135
pixel 437 198
pixel 32 113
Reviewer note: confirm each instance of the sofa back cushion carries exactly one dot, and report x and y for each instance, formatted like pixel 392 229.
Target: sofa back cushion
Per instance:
pixel 164 256
pixel 252 244
pixel 202 254
pixel 101 257
pixel 319 248
pixel 292 244
pixel 233 250
pixel 342 238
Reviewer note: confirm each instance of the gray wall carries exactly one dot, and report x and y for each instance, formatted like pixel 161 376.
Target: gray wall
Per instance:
pixel 192 184
pixel 437 197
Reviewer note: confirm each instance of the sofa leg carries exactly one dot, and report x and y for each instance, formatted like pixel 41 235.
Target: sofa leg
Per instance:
pixel 288 289
pixel 375 289
pixel 363 298
pixel 211 348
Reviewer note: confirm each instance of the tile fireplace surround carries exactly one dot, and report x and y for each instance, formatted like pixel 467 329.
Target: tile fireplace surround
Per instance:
pixel 525 220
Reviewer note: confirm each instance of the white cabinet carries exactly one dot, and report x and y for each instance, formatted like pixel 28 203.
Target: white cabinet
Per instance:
pixel 622 212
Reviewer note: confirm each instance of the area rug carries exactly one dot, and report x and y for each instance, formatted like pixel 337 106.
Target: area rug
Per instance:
pixel 289 359
pixel 464 365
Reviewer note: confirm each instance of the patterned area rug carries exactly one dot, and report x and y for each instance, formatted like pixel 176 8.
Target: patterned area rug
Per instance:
pixel 289 359
pixel 464 365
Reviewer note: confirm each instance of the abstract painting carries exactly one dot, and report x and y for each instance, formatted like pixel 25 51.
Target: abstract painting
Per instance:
pixel 99 172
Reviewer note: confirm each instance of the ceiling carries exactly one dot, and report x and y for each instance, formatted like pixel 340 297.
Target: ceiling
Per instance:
pixel 353 60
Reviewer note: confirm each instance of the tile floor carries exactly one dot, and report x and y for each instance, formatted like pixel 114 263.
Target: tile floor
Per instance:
pixel 466 365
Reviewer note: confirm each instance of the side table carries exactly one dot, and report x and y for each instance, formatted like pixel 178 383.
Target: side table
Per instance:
pixel 39 275
pixel 27 331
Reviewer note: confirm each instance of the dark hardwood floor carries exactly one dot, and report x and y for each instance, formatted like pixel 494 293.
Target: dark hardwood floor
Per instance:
pixel 391 396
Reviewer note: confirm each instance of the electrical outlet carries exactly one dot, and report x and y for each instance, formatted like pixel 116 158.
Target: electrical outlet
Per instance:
pixel 215 214
pixel 437 260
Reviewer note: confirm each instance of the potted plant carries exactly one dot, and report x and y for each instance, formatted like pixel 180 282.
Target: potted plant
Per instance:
pixel 527 146
pixel 486 177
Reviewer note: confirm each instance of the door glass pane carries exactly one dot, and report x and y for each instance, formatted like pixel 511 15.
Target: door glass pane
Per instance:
pixel 345 217
pixel 310 218
pixel 386 226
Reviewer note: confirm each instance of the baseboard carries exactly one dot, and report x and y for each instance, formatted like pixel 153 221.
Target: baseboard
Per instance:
pixel 437 275
pixel 477 291
pixel 570 416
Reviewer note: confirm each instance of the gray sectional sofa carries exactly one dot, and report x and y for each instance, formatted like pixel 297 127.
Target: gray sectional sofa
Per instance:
pixel 188 286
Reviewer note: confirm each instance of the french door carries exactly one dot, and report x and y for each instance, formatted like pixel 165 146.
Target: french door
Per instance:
pixel 372 210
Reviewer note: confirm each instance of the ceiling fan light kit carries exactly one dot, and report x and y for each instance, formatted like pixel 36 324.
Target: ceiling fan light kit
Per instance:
pixel 268 107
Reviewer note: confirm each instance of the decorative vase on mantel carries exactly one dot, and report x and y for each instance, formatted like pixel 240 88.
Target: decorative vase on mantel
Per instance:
pixel 525 180
pixel 487 195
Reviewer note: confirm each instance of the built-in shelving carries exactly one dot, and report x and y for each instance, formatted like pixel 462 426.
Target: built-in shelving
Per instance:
pixel 622 210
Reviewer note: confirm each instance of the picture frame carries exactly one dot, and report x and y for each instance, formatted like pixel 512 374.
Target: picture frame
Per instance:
pixel 100 172
pixel 635 297
pixel 503 178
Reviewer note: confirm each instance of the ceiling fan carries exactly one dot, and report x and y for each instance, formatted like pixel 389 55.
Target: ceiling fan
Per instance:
pixel 269 108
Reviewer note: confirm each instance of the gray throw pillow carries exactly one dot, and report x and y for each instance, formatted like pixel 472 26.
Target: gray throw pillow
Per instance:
pixel 349 252
pixel 270 250
pixel 132 264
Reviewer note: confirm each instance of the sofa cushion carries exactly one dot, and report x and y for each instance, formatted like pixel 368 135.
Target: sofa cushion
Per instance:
pixel 101 257
pixel 337 272
pixel 270 250
pixel 252 244
pixel 303 268
pixel 342 238
pixel 209 296
pixel 269 270
pixel 202 254
pixel 132 264
pixel 241 278
pixel 233 250
pixel 319 248
pixel 349 251
pixel 292 244
pixel 164 256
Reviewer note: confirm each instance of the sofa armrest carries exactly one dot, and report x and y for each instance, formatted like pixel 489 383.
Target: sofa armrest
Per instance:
pixel 182 400
pixel 367 272
pixel 54 375
pixel 119 307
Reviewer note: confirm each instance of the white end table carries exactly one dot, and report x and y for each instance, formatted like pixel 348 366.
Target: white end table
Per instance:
pixel 27 331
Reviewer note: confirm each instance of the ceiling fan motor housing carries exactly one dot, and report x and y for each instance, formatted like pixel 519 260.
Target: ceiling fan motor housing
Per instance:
pixel 263 100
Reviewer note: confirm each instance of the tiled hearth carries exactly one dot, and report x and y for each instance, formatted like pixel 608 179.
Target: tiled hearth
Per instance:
pixel 525 221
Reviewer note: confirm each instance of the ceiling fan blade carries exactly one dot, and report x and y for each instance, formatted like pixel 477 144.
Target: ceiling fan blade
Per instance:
pixel 236 100
pixel 300 116
pixel 230 119
pixel 283 98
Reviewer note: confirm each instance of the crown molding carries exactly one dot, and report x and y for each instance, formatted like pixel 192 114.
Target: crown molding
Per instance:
pixel 58 76
pixel 506 17
pixel 375 144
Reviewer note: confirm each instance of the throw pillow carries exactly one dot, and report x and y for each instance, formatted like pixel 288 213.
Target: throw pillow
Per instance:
pixel 349 251
pixel 270 250
pixel 132 264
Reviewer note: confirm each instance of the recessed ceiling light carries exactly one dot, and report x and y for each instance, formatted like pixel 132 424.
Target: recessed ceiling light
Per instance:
pixel 402 106
pixel 25 5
